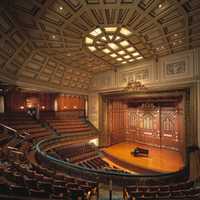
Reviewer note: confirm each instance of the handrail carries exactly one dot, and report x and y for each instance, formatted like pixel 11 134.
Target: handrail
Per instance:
pixel 96 174
pixel 7 127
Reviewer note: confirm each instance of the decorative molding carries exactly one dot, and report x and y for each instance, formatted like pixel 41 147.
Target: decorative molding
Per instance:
pixel 176 68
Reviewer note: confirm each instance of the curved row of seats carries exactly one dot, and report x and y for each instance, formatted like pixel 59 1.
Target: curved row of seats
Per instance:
pixel 182 191
pixel 26 125
pixel 23 178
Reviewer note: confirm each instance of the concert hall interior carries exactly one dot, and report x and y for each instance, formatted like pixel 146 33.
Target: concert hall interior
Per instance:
pixel 99 100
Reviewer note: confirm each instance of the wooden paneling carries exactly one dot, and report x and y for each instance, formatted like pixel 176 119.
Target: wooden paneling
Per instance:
pixel 66 102
pixel 144 123
pixel 19 101
pixel 157 125
pixel 117 121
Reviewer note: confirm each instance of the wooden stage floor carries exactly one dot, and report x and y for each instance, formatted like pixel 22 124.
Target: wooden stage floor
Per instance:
pixel 159 160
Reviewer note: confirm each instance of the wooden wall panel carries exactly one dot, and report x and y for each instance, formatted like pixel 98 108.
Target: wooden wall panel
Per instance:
pixel 66 102
pixel 117 121
pixel 20 101
pixel 144 123
pixel 160 125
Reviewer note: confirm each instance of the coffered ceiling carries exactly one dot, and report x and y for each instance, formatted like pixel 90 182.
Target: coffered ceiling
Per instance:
pixel 63 43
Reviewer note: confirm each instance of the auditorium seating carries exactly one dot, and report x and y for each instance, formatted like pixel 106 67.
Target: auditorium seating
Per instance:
pixel 25 178
pixel 26 125
pixel 95 163
pixel 76 153
pixel 64 124
pixel 183 190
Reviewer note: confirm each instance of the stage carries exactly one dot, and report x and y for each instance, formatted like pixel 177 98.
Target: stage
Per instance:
pixel 158 161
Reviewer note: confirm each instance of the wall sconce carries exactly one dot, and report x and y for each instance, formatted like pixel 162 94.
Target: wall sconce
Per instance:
pixel 43 107
pixel 21 107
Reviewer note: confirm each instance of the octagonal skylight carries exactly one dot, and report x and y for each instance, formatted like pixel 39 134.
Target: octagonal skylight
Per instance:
pixel 115 42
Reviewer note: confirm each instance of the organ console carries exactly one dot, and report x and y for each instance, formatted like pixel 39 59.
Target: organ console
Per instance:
pixel 140 152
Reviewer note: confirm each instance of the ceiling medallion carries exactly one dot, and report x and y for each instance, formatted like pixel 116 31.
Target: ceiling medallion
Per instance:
pixel 134 86
pixel 112 44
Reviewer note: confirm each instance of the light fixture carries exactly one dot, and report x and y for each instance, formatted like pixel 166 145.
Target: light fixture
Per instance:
pixel 124 62
pixel 124 43
pixel 131 60
pixel 160 5
pixel 135 54
pixel 119 59
pixel 127 56
pixel 113 55
pixel 113 46
pixel 103 38
pixel 21 107
pixel 117 38
pixel 106 51
pixel 91 48
pixel 110 29
pixel 139 58
pixel 96 32
pixel 88 40
pixel 125 31
pixel 43 107
pixel 53 37
pixel 111 37
pixel 130 49
pixel 121 52
pixel 60 8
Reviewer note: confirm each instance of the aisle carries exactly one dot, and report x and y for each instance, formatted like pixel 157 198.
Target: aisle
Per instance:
pixel 117 192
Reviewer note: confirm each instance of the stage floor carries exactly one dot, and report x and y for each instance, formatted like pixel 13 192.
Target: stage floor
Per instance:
pixel 159 160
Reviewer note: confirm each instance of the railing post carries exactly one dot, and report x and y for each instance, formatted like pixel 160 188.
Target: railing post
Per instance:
pixel 110 189
pixel 98 191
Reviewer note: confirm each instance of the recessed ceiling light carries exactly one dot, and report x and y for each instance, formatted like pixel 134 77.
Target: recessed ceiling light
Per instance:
pixel 98 42
pixel 106 50
pixel 139 58
pixel 131 60
pixel 130 49
pixel 103 38
pixel 113 55
pixel 124 43
pixel 53 37
pixel 125 31
pixel 124 62
pixel 127 57
pixel 119 59
pixel 117 38
pixel 88 40
pixel 160 5
pixel 110 29
pixel 60 8
pixel 121 52
pixel 91 48
pixel 113 46
pixel 111 37
pixel 96 32
pixel 135 54
pixel 175 35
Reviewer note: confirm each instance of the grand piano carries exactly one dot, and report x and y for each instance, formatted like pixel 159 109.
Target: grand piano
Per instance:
pixel 137 152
